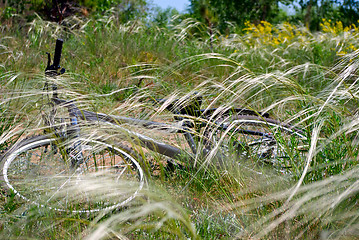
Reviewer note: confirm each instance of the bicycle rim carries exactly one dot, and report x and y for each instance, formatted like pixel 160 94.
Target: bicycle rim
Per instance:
pixel 258 139
pixel 108 178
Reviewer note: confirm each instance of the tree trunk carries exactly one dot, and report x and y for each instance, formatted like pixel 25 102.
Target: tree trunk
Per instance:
pixel 266 8
pixel 308 16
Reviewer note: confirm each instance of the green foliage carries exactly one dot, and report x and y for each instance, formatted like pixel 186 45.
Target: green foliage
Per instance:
pixel 58 10
pixel 163 17
pixel 349 10
pixel 312 12
pixel 104 5
pixel 297 76
pixel 8 12
pixel 237 12
pixel 309 12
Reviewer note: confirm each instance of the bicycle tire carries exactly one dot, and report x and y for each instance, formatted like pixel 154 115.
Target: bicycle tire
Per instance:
pixel 256 138
pixel 36 171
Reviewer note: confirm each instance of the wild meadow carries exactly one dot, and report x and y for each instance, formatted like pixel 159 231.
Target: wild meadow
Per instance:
pixel 306 79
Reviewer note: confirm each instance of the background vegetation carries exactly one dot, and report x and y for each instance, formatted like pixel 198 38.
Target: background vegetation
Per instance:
pixel 300 68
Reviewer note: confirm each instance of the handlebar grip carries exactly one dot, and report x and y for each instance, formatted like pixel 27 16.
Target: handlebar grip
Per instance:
pixel 58 50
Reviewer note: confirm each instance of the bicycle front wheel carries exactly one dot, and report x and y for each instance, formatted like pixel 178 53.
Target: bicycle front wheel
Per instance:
pixel 39 172
pixel 256 138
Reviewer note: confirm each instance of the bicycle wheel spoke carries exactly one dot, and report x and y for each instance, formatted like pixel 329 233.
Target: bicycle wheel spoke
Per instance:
pixel 47 178
pixel 255 139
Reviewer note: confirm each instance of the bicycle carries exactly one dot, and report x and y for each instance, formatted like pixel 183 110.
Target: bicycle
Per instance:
pixel 39 168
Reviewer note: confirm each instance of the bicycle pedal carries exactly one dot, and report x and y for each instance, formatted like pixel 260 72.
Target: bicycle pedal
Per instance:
pixel 75 156
pixel 172 166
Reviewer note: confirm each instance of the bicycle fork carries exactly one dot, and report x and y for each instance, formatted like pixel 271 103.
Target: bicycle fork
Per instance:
pixel 74 151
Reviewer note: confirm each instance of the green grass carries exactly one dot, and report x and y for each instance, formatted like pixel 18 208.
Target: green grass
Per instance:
pixel 119 69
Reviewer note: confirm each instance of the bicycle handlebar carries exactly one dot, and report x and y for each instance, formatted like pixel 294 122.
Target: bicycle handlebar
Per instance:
pixel 53 70
pixel 57 56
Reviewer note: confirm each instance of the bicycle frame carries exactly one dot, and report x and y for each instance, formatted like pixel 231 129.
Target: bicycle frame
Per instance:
pixel 184 126
pixel 143 140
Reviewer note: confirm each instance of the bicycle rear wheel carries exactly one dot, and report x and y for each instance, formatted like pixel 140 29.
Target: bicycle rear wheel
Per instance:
pixel 256 138
pixel 37 171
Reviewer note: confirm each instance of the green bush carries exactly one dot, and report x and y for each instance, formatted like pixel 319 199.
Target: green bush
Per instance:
pixel 57 10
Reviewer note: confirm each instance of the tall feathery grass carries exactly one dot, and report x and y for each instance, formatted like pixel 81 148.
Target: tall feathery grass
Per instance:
pixel 308 80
